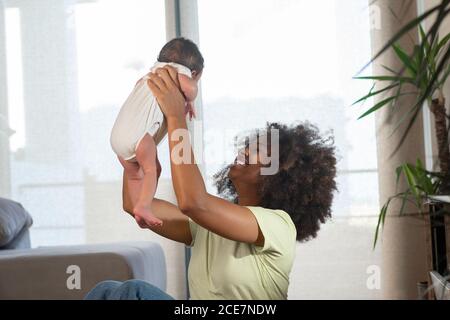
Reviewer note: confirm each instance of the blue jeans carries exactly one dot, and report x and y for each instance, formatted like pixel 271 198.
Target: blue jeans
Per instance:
pixel 128 290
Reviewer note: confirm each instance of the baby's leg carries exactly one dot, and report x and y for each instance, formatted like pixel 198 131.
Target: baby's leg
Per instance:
pixel 146 157
pixel 134 176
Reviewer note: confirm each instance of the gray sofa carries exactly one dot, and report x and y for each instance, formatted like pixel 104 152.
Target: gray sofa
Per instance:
pixel 67 272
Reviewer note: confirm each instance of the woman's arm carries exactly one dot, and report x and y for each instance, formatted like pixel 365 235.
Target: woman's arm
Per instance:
pixel 175 223
pixel 213 213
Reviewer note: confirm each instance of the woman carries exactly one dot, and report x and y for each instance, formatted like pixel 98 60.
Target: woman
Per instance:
pixel 243 248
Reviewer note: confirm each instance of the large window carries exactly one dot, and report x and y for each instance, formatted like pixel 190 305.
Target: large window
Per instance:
pixel 291 61
pixel 70 65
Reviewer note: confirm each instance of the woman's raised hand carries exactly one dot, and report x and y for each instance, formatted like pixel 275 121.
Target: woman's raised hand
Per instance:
pixel 165 87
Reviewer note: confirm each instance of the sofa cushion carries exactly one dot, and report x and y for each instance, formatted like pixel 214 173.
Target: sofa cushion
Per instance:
pixel 45 272
pixel 13 219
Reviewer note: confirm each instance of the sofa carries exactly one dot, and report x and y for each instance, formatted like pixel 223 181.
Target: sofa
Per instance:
pixel 67 272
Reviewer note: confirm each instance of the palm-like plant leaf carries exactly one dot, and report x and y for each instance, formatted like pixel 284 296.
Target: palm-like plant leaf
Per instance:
pixel 420 184
pixel 377 106
pixel 440 9
pixel 407 60
pixel 374 93
pixel 426 69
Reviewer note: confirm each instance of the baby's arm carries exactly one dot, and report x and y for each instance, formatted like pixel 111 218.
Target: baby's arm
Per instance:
pixel 190 90
pixel 188 86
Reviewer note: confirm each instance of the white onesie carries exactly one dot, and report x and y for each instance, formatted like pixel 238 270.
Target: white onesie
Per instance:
pixel 140 114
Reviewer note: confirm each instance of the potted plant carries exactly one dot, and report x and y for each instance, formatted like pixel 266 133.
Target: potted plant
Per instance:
pixel 428 64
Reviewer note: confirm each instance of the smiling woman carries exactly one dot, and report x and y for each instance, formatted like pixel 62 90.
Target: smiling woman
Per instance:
pixel 303 186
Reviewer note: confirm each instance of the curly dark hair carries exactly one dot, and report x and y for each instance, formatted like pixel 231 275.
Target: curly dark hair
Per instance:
pixel 305 182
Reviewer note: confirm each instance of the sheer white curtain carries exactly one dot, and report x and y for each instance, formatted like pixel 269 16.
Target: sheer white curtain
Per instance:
pixel 69 66
pixel 293 60
pixel 5 131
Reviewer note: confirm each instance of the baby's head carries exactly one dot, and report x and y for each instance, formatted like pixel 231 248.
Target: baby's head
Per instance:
pixel 184 52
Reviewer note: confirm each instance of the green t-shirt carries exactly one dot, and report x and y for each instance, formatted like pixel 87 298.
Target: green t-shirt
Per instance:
pixel 225 269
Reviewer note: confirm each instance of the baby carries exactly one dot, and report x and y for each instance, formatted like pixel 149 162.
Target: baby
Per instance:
pixel 140 125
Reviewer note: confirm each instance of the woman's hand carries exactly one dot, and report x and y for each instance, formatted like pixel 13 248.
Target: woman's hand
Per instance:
pixel 165 87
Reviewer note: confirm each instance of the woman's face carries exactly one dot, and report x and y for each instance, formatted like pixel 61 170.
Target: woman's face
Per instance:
pixel 247 166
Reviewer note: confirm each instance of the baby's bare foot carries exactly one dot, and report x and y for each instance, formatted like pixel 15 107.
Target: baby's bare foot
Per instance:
pixel 141 222
pixel 146 214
